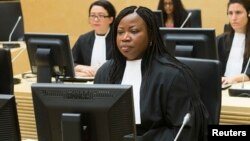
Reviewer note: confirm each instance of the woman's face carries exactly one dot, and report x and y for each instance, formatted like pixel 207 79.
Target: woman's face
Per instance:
pixel 99 19
pixel 168 7
pixel 132 36
pixel 238 17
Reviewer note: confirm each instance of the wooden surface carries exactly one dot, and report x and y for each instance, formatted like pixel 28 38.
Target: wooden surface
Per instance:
pixel 25 109
pixel 234 110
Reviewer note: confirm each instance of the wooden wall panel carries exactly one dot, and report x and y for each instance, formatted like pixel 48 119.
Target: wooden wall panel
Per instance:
pixel 71 16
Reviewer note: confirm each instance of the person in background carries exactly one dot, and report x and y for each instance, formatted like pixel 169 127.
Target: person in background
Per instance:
pixel 164 89
pixel 174 13
pixel 92 49
pixel 234 45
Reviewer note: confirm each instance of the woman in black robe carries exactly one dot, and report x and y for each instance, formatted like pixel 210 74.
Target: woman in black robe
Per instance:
pixel 166 88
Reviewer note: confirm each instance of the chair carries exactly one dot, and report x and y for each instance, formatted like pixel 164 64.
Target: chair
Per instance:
pixel 195 18
pixel 208 74
pixel 159 18
pixel 9 14
pixel 6 72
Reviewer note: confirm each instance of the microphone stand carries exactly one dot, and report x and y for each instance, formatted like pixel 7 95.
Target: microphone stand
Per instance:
pixel 9 44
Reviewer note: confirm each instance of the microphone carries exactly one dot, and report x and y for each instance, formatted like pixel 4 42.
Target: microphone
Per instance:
pixel 10 45
pixel 241 92
pixel 185 121
pixel 245 71
pixel 18 20
pixel 185 21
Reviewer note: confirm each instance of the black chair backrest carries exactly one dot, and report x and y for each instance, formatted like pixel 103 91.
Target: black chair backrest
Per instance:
pixel 195 18
pixel 6 72
pixel 9 14
pixel 208 74
pixel 159 16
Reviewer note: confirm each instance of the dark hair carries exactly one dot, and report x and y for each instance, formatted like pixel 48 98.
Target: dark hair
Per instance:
pixel 155 45
pixel 154 50
pixel 179 12
pixel 246 5
pixel 107 6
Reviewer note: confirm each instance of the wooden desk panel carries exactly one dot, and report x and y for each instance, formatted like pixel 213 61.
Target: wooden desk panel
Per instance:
pixel 25 109
pixel 235 110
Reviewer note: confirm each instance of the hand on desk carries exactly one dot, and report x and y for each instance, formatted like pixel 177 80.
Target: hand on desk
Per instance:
pixel 83 71
pixel 234 79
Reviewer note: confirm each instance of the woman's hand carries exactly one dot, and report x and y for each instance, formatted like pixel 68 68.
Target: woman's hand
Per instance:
pixel 82 70
pixel 234 79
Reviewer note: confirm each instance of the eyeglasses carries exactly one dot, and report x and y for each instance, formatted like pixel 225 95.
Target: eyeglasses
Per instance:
pixel 99 17
pixel 168 3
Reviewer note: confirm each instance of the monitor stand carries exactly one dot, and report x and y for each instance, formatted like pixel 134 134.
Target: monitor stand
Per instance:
pixel 71 127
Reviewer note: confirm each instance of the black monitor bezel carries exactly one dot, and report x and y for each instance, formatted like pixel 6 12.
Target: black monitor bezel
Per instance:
pixel 204 37
pixel 6 72
pixel 63 55
pixel 77 98
pixel 9 129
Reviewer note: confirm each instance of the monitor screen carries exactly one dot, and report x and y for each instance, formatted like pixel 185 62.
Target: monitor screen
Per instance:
pixel 9 125
pixel 49 55
pixel 97 112
pixel 9 14
pixel 159 18
pixel 190 42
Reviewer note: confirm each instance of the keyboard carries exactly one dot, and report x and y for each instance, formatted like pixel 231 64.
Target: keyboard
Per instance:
pixel 76 79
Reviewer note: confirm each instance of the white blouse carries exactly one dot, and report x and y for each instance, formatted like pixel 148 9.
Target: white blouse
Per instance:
pixel 235 59
pixel 132 76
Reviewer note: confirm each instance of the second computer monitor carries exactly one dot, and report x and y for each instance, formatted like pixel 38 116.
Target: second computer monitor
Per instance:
pixel 49 55
pixel 190 42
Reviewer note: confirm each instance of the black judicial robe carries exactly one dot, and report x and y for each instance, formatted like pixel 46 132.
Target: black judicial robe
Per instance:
pixel 82 50
pixel 171 92
pixel 224 51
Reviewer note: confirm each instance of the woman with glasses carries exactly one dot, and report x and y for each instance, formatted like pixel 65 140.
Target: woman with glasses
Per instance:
pixel 174 13
pixel 234 44
pixel 92 49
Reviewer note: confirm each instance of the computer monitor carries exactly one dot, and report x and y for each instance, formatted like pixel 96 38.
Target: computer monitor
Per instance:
pixel 76 112
pixel 9 125
pixel 9 14
pixel 49 55
pixel 191 42
pixel 159 18
pixel 6 72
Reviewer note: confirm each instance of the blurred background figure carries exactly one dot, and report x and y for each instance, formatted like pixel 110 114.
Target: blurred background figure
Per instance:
pixel 234 44
pixel 174 13
pixel 92 49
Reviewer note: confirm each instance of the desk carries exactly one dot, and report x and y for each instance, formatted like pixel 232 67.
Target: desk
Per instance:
pixel 235 110
pixel 25 109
